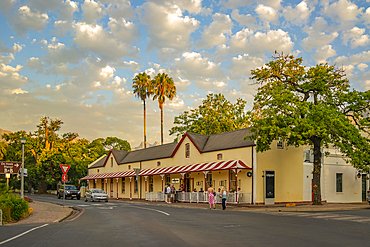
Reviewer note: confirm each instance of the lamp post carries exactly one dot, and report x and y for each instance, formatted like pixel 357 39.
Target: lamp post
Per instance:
pixel 23 141
pixel 7 175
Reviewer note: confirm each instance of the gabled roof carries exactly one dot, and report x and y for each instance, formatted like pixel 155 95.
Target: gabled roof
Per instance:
pixel 222 141
pixel 99 162
pixel 151 153
pixel 228 140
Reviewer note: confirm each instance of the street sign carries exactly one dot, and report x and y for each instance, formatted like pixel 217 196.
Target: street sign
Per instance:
pixel 64 178
pixel 65 168
pixel 10 167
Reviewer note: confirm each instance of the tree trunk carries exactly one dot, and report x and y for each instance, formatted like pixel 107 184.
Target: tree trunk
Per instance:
pixel 316 171
pixel 144 125
pixel 42 186
pixel 162 124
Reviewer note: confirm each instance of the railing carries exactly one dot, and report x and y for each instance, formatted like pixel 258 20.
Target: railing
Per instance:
pixel 199 197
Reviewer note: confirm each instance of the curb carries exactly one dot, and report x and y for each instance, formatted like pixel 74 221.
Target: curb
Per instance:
pixel 64 217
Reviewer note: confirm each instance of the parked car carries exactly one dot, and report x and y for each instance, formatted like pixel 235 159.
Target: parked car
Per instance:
pixel 70 191
pixel 96 195
pixel 368 196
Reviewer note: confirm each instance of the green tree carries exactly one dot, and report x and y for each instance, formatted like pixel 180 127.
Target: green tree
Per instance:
pixel 310 106
pixel 143 89
pixel 215 115
pixel 163 87
pixel 116 143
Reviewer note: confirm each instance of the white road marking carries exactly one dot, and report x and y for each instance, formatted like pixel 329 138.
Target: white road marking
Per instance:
pixel 105 207
pixel 152 210
pixel 19 235
pixel 324 216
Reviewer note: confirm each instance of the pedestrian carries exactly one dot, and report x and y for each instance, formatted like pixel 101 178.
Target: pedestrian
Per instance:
pixel 168 193
pixel 173 192
pixel 224 197
pixel 211 197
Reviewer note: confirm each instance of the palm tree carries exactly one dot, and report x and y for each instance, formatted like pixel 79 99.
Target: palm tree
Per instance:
pixel 163 87
pixel 143 89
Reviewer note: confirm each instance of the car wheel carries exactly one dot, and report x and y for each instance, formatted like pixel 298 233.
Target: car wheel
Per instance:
pixel 92 199
pixel 106 200
pixel 85 199
pixel 78 198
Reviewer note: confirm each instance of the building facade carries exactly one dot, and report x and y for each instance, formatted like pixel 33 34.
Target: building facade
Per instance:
pixel 196 162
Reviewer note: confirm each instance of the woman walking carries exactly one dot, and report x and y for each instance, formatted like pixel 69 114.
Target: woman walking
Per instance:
pixel 224 197
pixel 211 197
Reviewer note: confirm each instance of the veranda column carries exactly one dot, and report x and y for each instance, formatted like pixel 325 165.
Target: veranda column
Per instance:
pixel 117 186
pixel 236 185
pixel 162 175
pixel 205 180
pixel 130 189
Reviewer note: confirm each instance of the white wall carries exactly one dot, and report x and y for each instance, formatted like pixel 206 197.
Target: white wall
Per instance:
pixel 331 165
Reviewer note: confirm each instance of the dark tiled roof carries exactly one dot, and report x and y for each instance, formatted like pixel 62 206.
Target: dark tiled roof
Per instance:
pixel 100 162
pixel 119 154
pixel 199 140
pixel 151 153
pixel 227 140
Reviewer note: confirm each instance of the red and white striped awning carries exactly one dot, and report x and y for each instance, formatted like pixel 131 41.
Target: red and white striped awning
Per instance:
pixel 109 175
pixel 209 166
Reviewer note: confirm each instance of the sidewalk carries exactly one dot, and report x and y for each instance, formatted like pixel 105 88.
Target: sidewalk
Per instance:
pixel 45 212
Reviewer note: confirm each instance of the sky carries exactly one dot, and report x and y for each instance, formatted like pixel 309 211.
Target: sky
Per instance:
pixel 75 60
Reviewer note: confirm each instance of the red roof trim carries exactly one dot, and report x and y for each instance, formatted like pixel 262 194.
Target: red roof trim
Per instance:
pixel 182 139
pixel 110 152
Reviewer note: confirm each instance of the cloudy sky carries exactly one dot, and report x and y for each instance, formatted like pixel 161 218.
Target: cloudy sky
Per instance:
pixel 75 60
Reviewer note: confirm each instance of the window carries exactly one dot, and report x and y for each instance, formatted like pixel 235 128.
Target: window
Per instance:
pixel 150 183
pixel 123 185
pixel 339 187
pixel 219 156
pixel 129 166
pixel 209 180
pixel 94 184
pixel 167 179
pixel 111 162
pixel 102 184
pixel 135 185
pixel 187 150
pixel 280 144
pixel 158 163
pixel 232 180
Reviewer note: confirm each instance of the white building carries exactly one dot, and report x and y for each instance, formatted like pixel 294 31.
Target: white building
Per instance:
pixel 340 181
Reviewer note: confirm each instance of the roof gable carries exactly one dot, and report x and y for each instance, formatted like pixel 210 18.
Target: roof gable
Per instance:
pixel 151 153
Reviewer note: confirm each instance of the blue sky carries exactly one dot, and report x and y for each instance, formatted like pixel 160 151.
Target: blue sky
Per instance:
pixel 75 60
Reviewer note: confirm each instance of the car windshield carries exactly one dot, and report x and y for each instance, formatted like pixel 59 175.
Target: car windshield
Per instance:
pixel 97 191
pixel 71 187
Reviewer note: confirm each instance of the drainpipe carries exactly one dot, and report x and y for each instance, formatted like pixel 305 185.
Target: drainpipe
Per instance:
pixel 252 177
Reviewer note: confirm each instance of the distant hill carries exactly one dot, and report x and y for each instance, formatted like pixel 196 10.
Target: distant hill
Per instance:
pixel 3 132
pixel 141 146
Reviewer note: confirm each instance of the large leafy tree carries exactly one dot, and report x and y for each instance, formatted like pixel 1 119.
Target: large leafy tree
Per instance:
pixel 215 115
pixel 310 106
pixel 143 89
pixel 163 87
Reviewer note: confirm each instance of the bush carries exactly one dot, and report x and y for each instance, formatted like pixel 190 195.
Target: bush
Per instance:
pixel 13 207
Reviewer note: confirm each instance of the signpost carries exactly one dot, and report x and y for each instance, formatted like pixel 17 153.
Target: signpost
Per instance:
pixel 65 169
pixel 137 171
pixel 10 167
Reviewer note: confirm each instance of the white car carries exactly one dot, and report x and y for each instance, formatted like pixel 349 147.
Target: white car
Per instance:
pixel 96 195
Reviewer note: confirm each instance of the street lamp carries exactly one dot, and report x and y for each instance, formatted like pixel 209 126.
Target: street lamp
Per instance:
pixel 23 141
pixel 7 175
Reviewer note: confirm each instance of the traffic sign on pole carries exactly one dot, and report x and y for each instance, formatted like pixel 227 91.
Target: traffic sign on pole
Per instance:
pixel 65 168
pixel 64 178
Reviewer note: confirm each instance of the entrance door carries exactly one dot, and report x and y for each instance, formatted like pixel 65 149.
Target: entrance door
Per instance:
pixel 363 187
pixel 111 188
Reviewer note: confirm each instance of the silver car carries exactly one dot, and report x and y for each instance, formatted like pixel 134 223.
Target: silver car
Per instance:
pixel 96 195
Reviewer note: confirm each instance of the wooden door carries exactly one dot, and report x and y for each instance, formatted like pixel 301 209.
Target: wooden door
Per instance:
pixel 111 188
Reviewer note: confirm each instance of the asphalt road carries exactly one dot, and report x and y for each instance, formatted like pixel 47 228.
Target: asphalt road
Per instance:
pixel 126 224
